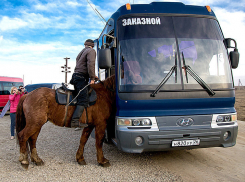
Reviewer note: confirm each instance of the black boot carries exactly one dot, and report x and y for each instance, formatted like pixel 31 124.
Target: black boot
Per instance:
pixel 76 116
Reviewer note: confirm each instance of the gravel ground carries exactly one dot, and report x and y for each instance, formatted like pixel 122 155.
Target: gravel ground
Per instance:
pixel 240 104
pixel 57 147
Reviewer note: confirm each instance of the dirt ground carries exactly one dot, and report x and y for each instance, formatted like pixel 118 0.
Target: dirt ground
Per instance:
pixel 240 104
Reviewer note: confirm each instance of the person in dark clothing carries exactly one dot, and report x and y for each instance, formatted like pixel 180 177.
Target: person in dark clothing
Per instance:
pixel 22 89
pixel 84 70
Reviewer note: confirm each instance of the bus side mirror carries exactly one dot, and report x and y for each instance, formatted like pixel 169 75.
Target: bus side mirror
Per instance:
pixel 233 55
pixel 104 58
pixel 227 43
pixel 234 58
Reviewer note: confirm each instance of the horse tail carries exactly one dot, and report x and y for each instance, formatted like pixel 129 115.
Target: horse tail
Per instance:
pixel 20 117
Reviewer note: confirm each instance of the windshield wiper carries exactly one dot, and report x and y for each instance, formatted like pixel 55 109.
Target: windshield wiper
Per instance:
pixel 165 79
pixel 197 78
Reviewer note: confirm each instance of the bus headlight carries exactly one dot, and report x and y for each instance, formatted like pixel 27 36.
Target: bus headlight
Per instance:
pixel 124 122
pixel 219 119
pixel 134 122
pixel 226 118
pixel 146 122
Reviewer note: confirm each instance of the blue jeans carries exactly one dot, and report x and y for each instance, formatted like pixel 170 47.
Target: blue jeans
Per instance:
pixel 12 126
pixel 79 83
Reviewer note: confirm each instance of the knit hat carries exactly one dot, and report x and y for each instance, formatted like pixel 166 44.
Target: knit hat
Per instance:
pixel 89 42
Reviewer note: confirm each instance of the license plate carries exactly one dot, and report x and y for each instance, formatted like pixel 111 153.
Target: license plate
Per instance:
pixel 182 143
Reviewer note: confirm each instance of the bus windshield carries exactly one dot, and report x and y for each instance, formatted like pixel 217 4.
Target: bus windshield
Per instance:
pixel 148 51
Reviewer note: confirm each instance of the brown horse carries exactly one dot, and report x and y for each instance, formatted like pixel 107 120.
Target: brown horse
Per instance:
pixel 35 108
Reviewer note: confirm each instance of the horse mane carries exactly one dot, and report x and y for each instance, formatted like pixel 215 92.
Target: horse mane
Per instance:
pixel 106 86
pixel 110 82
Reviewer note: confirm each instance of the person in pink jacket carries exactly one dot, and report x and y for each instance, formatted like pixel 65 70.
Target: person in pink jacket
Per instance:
pixel 14 100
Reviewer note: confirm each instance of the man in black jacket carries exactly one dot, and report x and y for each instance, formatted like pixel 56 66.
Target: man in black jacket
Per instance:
pixel 84 70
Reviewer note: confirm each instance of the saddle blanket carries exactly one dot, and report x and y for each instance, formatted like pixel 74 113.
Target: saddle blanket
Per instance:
pixel 61 97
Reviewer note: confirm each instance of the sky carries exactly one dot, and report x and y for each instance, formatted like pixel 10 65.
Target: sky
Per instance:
pixel 36 35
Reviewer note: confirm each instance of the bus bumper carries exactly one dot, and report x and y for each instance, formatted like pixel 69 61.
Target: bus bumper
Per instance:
pixel 162 140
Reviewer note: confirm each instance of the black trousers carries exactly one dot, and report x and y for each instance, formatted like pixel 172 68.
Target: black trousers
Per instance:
pixel 79 82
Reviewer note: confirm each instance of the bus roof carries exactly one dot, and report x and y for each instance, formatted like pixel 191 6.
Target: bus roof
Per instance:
pixel 12 79
pixel 163 7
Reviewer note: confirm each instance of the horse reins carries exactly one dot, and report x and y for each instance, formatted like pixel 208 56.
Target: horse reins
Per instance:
pixel 68 98
pixel 78 94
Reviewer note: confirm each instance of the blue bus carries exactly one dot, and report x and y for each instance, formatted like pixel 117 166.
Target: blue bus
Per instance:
pixel 174 83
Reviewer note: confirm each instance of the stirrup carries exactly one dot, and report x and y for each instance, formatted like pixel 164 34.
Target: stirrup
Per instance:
pixel 75 123
pixel 83 125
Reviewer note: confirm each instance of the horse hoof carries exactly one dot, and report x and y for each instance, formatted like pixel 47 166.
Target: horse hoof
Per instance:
pixel 38 161
pixel 82 162
pixel 107 164
pixel 41 163
pixel 25 166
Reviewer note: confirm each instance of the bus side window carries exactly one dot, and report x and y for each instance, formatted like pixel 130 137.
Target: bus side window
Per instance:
pixel 109 44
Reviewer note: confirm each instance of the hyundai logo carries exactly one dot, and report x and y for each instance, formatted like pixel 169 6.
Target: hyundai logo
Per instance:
pixel 185 122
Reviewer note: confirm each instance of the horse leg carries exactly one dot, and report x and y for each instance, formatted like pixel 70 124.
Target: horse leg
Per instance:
pixel 31 128
pixel 99 136
pixel 84 138
pixel 23 149
pixel 24 159
pixel 34 156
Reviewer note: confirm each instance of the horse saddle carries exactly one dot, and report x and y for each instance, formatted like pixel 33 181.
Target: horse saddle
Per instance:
pixel 62 93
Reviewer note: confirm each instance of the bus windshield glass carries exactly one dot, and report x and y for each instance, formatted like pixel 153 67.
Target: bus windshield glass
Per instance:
pixel 150 46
